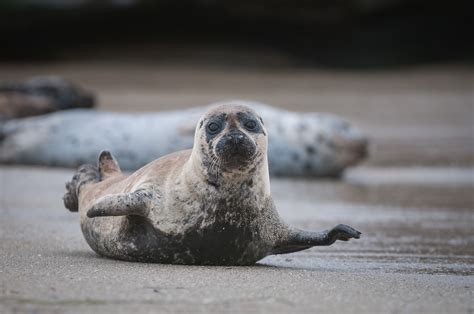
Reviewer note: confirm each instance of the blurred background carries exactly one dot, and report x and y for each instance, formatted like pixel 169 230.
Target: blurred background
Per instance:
pixel 354 33
pixel 400 70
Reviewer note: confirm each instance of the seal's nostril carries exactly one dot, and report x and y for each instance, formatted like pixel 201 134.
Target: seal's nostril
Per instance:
pixel 235 138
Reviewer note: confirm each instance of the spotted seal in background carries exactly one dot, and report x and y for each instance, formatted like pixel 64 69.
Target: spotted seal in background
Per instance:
pixel 300 144
pixel 210 205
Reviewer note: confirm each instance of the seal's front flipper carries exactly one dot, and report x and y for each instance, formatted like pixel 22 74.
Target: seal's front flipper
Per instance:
pixel 300 240
pixel 343 233
pixel 108 165
pixel 135 203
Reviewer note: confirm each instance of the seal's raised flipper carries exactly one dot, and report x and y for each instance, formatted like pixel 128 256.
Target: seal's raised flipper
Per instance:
pixel 108 165
pixel 135 203
pixel 300 240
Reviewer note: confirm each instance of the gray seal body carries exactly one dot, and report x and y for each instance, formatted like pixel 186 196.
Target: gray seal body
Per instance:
pixel 299 144
pixel 210 205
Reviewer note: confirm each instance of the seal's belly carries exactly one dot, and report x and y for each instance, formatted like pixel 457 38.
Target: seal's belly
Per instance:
pixel 224 244
pixel 215 244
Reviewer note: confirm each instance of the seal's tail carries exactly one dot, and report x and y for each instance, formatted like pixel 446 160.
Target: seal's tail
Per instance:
pixel 85 174
pixel 107 166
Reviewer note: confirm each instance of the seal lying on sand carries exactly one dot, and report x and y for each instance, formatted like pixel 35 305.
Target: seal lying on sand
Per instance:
pixel 209 205
pixel 40 95
pixel 300 144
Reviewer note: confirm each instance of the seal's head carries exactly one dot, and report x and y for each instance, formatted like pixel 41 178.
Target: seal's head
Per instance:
pixel 231 137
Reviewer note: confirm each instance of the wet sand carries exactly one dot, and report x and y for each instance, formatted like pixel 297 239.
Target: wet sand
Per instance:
pixel 413 200
pixel 416 254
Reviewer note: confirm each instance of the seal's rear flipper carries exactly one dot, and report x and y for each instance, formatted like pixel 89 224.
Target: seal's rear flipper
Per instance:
pixel 135 203
pixel 85 174
pixel 108 165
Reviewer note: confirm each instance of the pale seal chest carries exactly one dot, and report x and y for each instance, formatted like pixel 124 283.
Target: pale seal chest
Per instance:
pixel 209 205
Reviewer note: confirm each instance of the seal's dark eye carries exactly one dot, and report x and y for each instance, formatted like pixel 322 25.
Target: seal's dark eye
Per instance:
pixel 213 127
pixel 251 125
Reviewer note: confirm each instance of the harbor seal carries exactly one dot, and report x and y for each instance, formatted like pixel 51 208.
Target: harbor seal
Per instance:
pixel 299 144
pixel 210 205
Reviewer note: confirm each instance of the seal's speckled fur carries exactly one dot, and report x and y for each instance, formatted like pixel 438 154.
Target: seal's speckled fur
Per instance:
pixel 209 205
pixel 299 144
